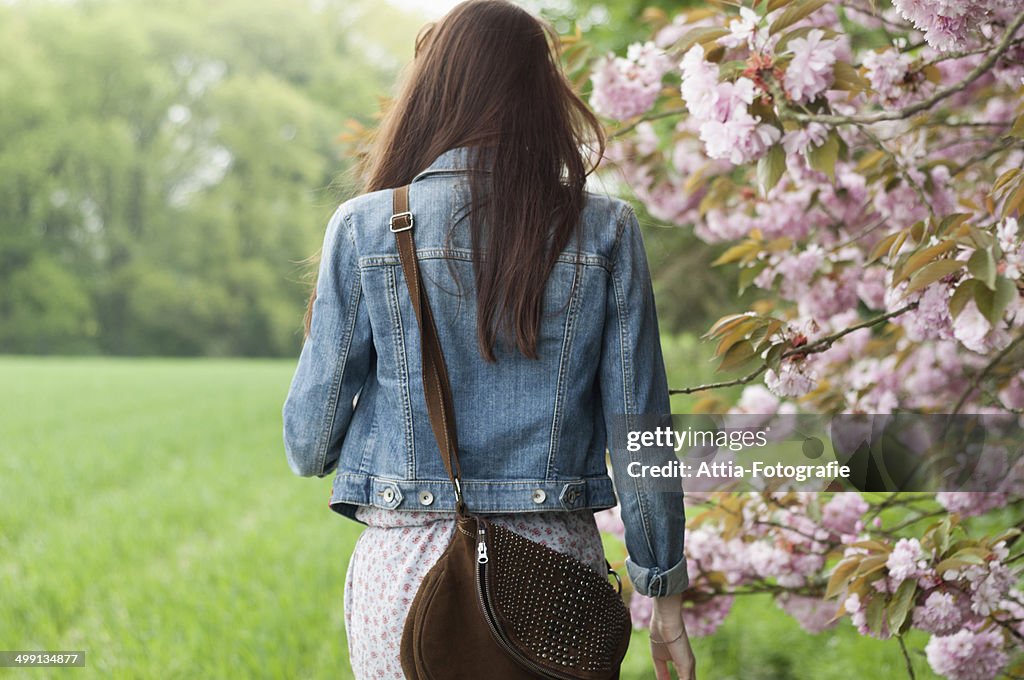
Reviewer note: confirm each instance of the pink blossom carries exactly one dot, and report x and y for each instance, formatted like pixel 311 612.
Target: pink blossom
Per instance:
pixel 726 126
pixel 699 86
pixel 756 399
pixel 627 87
pixel 905 561
pixel 810 70
pixel 941 613
pixel 989 587
pixel 731 132
pixel 767 560
pixel 886 71
pixel 797 269
pixel 813 614
pixel 1013 248
pixel 871 287
pixel 843 512
pixel 975 332
pixel 967 655
pixel 859 617
pixel 830 295
pixel 704 618
pixel 805 138
pixel 610 522
pixel 741 29
pixel 641 608
pixel 723 225
pixel 794 379
pixel 931 319
pixel 1012 394
pixel 931 371
pixel 944 23
pixel 971 503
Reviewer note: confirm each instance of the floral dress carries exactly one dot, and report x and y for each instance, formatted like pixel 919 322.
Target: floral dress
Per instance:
pixel 397 549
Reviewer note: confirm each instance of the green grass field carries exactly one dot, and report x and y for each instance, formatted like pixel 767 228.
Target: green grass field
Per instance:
pixel 147 516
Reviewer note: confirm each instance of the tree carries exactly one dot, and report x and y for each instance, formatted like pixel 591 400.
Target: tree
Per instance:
pixel 172 163
pixel 863 170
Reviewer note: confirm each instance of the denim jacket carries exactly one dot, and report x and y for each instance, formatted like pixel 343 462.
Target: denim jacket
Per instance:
pixel 532 432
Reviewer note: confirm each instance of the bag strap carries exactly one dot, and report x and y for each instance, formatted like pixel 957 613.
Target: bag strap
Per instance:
pixel 437 388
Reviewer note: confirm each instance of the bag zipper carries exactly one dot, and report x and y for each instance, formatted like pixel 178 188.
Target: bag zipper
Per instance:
pixel 483 596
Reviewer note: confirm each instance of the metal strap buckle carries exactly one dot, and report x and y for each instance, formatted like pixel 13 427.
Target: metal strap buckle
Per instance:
pixel 398 216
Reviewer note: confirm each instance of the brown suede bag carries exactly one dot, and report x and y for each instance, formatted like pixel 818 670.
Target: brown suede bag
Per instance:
pixel 498 605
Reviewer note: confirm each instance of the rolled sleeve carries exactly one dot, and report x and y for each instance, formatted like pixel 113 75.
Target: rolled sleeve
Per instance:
pixel 653 582
pixel 334 362
pixel 634 389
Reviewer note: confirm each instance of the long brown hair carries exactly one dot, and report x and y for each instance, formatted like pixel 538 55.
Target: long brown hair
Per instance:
pixel 488 76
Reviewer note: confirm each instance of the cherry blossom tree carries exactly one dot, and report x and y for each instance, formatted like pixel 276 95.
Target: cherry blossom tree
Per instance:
pixel 861 167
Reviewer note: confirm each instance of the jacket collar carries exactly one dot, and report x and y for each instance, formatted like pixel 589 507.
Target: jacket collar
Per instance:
pixel 452 160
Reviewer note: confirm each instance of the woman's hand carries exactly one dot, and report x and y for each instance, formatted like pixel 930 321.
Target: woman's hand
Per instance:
pixel 669 642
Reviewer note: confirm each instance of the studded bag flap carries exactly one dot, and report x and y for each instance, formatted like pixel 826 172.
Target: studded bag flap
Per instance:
pixel 497 605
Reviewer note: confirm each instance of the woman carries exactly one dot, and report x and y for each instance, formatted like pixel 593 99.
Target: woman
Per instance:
pixel 544 309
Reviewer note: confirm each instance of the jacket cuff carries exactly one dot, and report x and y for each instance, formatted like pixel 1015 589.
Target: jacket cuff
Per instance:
pixel 653 582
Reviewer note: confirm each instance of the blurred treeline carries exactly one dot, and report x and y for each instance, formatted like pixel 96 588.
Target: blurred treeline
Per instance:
pixel 165 166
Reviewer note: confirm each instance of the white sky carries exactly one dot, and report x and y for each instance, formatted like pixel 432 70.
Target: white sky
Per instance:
pixel 434 9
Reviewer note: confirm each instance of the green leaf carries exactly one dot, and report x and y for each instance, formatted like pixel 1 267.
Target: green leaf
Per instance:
pixel 872 564
pixel 770 168
pixel 701 35
pixel 762 338
pixel 882 247
pixel 795 13
pixel 780 46
pixel 942 532
pixel 931 273
pixel 1018 128
pixel 846 77
pixel 823 158
pixel 951 222
pixel 725 323
pixel 748 274
pixel 876 612
pixel 920 259
pixel 1005 293
pixel 738 355
pixel 985 301
pixel 948 564
pixel 841 576
pixel 963 293
pixel 1013 202
pixel 737 252
pixel 737 334
pixel 982 265
pixel 992 303
pixel 901 603
pixel 1006 176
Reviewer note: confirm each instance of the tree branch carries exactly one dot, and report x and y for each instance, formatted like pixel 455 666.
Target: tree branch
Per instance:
pixel 980 375
pixel 966 53
pixel 899 167
pixel 820 345
pixel 906 658
pixel 924 104
pixel 718 385
pixel 667 113
pixel 1005 145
